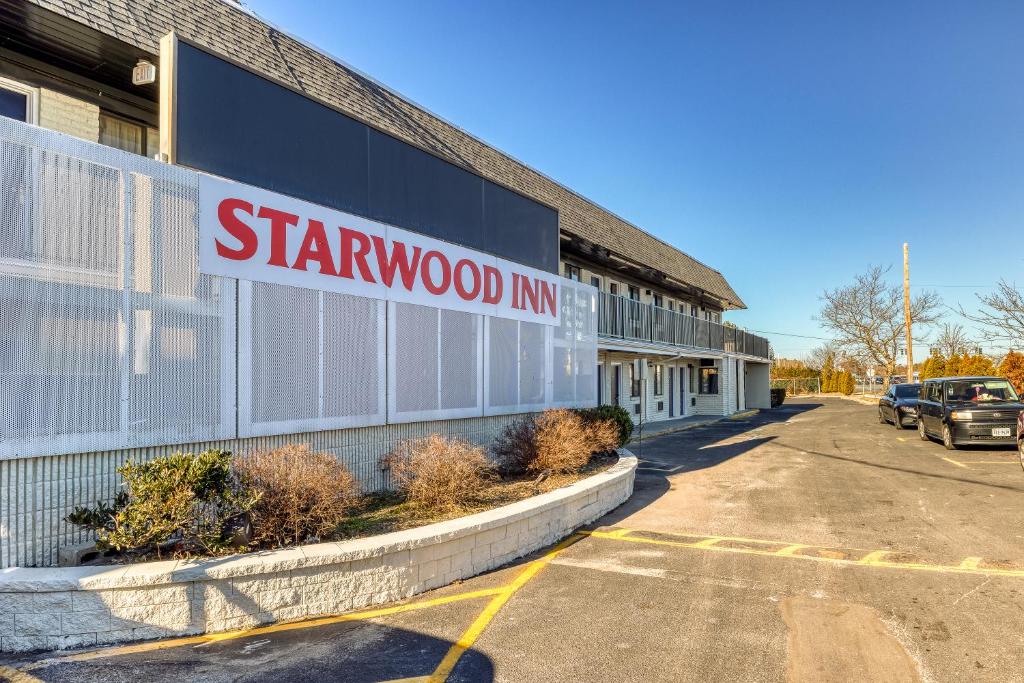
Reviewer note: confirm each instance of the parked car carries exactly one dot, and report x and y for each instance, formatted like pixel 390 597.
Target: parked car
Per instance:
pixel 968 410
pixel 899 405
pixel 1020 436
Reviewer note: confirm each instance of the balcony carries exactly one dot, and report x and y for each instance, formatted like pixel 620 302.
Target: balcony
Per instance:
pixel 622 318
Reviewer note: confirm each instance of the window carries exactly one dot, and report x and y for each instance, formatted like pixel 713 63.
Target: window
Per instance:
pixel 659 387
pixel 613 288
pixel 17 101
pixel 572 272
pixel 671 305
pixel 693 379
pixel 693 310
pixel 634 293
pixel 595 281
pixel 658 301
pixel 634 380
pixel 122 134
pixel 709 380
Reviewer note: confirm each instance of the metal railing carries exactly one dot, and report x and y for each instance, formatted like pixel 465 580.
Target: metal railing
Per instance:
pixel 622 318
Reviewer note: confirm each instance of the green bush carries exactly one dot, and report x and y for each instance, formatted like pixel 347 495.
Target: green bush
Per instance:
pixel 617 414
pixel 183 501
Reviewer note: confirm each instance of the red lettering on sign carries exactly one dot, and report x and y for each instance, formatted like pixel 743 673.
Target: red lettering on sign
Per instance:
pixel 348 255
pixel 460 289
pixel 399 261
pixel 446 272
pixel 493 285
pixel 237 229
pixel 315 247
pixel 529 294
pixel 279 222
pixel 548 292
pixel 515 291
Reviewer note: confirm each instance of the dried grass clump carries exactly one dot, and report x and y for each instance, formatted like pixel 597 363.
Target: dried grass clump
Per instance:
pixel 558 440
pixel 302 494
pixel 438 473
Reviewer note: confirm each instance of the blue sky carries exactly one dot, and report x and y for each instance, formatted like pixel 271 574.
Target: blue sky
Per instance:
pixel 787 144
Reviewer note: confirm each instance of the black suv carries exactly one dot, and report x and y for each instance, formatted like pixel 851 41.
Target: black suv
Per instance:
pixel 968 410
pixel 899 405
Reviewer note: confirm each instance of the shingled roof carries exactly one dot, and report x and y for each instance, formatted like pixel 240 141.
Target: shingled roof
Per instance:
pixel 234 32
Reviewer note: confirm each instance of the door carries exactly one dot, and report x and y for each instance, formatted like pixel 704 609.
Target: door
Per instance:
pixel 671 391
pixel 931 409
pixel 616 383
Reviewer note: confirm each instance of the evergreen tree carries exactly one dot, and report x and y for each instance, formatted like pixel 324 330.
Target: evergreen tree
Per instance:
pixel 828 372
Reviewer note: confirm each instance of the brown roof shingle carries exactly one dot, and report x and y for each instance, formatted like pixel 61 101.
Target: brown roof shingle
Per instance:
pixel 234 32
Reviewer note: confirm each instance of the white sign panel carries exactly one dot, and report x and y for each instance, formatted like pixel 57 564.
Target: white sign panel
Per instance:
pixel 253 234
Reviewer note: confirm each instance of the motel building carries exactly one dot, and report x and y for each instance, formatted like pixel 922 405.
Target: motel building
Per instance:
pixel 213 234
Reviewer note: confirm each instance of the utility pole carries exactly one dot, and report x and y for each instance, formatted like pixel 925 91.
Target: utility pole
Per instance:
pixel 906 311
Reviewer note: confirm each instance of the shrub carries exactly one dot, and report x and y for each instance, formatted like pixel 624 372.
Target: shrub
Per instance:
pixel 555 440
pixel 301 494
pixel 438 473
pixel 617 414
pixel 778 395
pixel 184 500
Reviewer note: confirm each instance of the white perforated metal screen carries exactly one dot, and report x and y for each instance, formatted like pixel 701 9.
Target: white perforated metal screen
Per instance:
pixel 111 337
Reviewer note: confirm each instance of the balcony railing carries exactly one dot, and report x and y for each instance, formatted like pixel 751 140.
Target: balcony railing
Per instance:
pixel 622 318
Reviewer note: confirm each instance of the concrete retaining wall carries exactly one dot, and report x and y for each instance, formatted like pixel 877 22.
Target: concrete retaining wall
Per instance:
pixel 86 606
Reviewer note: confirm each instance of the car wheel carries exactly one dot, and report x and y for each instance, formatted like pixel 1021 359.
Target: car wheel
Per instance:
pixel 921 430
pixel 947 438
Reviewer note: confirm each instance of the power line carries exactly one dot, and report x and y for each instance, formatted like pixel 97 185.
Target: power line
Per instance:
pixel 787 334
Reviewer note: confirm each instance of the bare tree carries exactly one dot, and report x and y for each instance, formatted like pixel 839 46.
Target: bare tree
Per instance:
pixel 953 341
pixel 1001 314
pixel 867 317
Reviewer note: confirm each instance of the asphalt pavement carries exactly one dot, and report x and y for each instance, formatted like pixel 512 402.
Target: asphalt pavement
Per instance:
pixel 806 543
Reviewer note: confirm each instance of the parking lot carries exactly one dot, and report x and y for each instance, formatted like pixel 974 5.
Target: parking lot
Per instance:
pixel 804 543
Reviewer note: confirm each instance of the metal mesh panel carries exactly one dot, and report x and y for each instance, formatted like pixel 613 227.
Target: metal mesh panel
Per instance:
pixel 532 362
pixel 586 346
pixel 459 360
pixel 503 385
pixel 415 358
pixel 564 385
pixel 353 356
pixel 111 339
pixel 284 367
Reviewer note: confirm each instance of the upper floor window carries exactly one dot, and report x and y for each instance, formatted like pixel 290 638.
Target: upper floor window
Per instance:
pixel 17 101
pixel 595 281
pixel 634 293
pixel 671 305
pixel 613 288
pixel 693 310
pixel 572 272
pixel 658 301
pixel 122 134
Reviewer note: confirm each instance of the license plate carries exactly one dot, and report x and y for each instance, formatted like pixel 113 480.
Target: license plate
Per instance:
pixel 1001 431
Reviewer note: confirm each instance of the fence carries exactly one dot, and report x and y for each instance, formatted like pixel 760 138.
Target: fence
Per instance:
pixel 797 386
pixel 624 318
pixel 113 339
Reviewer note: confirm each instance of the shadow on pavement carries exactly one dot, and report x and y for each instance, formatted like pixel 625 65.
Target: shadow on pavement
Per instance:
pixel 668 455
pixel 360 652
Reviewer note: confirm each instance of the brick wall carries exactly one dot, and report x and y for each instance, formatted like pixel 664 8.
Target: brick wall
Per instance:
pixel 67 115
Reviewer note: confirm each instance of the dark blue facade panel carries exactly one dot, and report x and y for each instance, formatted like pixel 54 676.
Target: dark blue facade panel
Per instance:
pixel 236 124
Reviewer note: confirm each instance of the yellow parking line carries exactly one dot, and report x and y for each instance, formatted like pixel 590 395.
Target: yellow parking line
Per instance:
pixel 15 676
pixel 873 559
pixel 707 542
pixel 958 464
pixel 970 563
pixel 619 533
pixel 790 549
pixel 993 462
pixel 468 638
pixel 262 630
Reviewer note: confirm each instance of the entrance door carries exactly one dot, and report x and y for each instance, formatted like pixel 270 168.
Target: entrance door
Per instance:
pixel 616 383
pixel 671 392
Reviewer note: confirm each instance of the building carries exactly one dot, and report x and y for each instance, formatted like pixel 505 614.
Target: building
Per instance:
pixel 123 338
